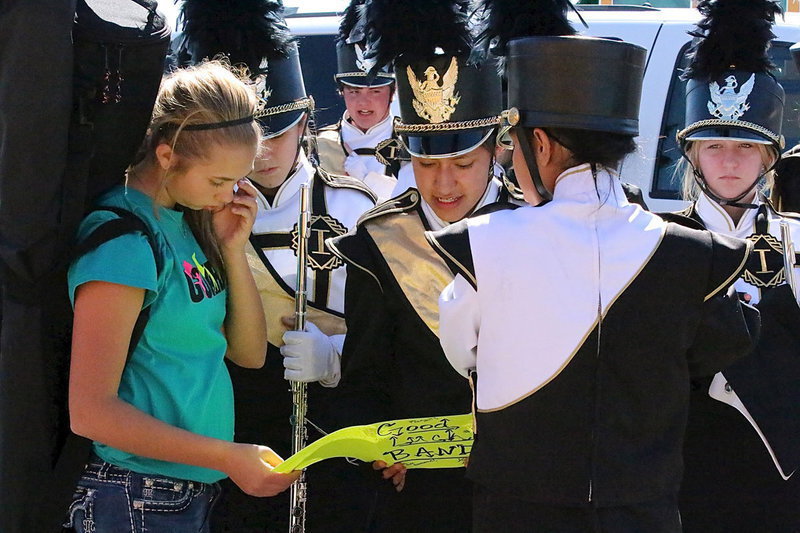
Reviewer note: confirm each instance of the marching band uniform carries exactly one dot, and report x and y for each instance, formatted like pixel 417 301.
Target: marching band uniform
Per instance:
pixel 392 365
pixel 744 427
pixel 580 413
pixel 262 397
pixel 263 402
pixel 741 440
pixel 343 147
pixel 590 366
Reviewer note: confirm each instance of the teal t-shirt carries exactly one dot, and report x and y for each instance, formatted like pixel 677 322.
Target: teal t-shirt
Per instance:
pixel 176 373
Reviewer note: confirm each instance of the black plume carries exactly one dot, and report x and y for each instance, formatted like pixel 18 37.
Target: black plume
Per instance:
pixel 415 28
pixel 504 20
pixel 352 20
pixel 245 30
pixel 732 33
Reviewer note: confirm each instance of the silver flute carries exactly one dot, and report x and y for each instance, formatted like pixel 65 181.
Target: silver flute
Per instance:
pixel 788 256
pixel 297 494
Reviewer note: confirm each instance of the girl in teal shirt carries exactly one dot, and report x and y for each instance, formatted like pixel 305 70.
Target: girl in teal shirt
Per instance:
pixel 161 418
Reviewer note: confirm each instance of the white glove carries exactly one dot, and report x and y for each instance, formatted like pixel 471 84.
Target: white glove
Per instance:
pixel 355 166
pixel 381 185
pixel 311 355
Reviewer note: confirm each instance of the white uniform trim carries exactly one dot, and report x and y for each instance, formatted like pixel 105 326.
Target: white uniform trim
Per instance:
pixel 577 254
pixel 721 391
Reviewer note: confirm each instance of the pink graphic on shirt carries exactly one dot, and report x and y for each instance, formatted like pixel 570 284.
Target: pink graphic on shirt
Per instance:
pixel 203 280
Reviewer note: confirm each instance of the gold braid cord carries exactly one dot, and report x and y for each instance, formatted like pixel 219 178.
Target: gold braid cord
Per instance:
pixel 741 124
pixel 303 103
pixel 401 127
pixel 363 74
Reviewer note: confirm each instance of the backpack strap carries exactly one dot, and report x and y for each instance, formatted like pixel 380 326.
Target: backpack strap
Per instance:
pixel 128 222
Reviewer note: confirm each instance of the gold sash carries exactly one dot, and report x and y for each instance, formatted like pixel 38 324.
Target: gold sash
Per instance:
pixel 420 272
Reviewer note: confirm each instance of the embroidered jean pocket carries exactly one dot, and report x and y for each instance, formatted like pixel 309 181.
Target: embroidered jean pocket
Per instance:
pixel 80 514
pixel 160 494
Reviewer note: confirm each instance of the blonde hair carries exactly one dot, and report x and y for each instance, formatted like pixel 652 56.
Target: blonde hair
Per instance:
pixel 690 190
pixel 207 93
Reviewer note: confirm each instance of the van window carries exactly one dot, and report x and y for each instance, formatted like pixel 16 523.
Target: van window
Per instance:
pixel 665 184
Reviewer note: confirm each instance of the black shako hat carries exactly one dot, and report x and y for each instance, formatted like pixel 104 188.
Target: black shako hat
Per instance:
pixel 352 67
pixel 730 94
pixel 558 79
pixel 282 98
pixel 575 82
pixel 448 105
pixel 255 35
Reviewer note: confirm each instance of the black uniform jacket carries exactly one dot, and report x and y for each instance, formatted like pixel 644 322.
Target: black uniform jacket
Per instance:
pixel 392 359
pixel 608 429
pixel 768 380
pixel 392 364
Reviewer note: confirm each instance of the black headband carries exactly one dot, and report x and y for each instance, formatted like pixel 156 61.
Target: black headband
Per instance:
pixel 217 125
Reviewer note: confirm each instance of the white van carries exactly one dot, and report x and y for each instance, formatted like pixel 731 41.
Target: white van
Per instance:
pixel 662 31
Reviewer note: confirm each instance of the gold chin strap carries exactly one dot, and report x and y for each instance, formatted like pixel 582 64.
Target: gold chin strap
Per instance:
pixel 503 132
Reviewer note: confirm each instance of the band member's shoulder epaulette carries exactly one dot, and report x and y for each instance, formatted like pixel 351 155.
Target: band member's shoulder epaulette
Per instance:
pixel 403 203
pixel 338 181
pixel 452 245
pixel 682 218
pixel 786 214
pixel 790 215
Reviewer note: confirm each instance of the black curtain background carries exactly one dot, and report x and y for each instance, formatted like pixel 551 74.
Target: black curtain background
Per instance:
pixel 61 144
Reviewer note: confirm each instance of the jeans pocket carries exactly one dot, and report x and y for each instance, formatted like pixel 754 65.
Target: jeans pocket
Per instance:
pixel 163 494
pixel 167 505
pixel 80 514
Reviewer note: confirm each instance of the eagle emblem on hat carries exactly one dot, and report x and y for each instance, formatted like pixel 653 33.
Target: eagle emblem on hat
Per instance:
pixel 363 64
pixel 728 104
pixel 434 101
pixel 263 92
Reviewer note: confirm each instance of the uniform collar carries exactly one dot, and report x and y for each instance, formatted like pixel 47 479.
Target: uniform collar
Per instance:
pixel 355 138
pixel 579 184
pixel 716 219
pixel 289 188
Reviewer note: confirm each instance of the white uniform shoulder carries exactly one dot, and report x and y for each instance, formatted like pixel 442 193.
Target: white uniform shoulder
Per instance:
pixel 338 181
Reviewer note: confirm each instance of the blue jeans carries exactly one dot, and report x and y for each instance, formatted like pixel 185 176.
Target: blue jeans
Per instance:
pixel 109 499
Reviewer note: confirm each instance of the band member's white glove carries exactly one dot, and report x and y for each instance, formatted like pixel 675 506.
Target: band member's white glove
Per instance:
pixel 355 166
pixel 312 356
pixel 381 185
